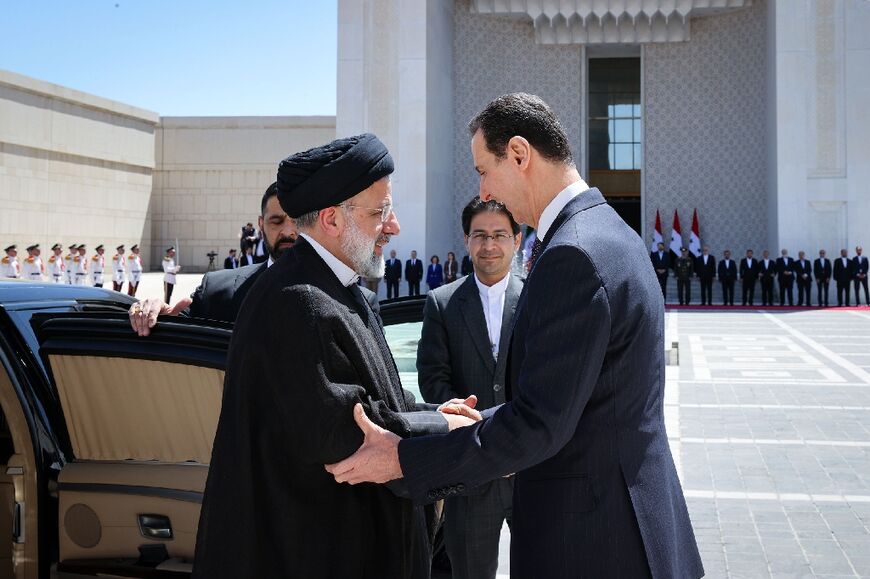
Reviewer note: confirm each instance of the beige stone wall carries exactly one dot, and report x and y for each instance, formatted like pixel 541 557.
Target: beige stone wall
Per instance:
pixel 74 168
pixel 210 176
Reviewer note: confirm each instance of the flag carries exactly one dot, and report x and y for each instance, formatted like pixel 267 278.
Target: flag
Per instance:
pixel 656 234
pixel 695 239
pixel 676 239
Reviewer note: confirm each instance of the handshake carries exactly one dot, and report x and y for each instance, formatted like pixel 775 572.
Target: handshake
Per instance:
pixel 377 460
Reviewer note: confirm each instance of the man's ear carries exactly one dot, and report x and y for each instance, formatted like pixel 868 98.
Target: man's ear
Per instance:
pixel 331 220
pixel 519 151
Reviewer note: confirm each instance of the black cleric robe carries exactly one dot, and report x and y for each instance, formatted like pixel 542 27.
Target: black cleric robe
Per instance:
pixel 304 350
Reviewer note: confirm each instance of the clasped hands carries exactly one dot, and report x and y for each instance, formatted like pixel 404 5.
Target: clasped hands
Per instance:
pixel 377 459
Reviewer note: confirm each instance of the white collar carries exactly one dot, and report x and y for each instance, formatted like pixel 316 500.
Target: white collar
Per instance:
pixel 345 275
pixel 270 262
pixel 493 290
pixel 551 211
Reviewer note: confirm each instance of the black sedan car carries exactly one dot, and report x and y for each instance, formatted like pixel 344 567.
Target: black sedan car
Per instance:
pixel 106 436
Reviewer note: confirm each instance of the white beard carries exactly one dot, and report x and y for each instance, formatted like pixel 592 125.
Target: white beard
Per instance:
pixel 359 249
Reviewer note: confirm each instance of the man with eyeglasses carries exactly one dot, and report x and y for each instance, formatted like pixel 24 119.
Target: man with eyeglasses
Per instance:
pixel 477 309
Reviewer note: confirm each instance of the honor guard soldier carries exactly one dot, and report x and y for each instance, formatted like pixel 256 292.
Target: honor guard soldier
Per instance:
pixel 33 269
pixel 81 266
pixel 70 265
pixel 10 266
pixel 56 266
pixel 98 265
pixel 134 270
pixel 118 269
pixel 169 271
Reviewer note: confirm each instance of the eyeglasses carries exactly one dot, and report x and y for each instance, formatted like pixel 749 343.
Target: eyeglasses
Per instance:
pixel 385 210
pixel 500 237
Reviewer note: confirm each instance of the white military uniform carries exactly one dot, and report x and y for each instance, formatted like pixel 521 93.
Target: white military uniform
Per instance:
pixel 56 268
pixel 118 271
pixel 98 263
pixel 32 268
pixel 70 267
pixel 134 268
pixel 80 270
pixel 169 269
pixel 9 267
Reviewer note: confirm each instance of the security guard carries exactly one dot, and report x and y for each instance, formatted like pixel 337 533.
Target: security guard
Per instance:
pixel 33 269
pixel 56 267
pixel 81 266
pixel 134 270
pixel 98 264
pixel 118 270
pixel 169 271
pixel 9 266
pixel 69 262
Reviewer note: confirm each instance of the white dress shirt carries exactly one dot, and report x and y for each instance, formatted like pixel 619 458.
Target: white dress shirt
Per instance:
pixel 345 275
pixel 492 298
pixel 551 211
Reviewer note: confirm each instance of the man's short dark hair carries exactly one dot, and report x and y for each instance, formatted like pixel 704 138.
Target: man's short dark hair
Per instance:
pixel 522 115
pixel 271 191
pixel 477 206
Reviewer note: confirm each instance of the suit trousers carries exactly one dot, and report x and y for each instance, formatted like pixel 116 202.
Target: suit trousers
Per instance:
pixel 766 291
pixel 786 290
pixel 413 288
pixel 804 291
pixel 663 282
pixel 728 293
pixel 842 289
pixel 472 529
pixel 748 291
pixel 858 284
pixel 706 291
pixel 684 291
pixel 392 289
pixel 823 293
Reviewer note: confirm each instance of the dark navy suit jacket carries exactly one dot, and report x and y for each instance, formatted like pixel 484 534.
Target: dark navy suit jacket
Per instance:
pixel 596 491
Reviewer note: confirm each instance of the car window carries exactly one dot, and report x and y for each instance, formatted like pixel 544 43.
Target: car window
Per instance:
pixel 402 339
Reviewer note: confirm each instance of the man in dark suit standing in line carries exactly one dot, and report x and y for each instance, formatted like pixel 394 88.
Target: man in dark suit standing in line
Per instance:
pixel 463 350
pixel 393 275
pixel 785 277
pixel 231 261
pixel 661 263
pixel 748 277
pixel 803 273
pixel 727 275
pixel 705 268
pixel 413 274
pixel 822 271
pixel 843 274
pixel 859 270
pixel 596 493
pixel 767 273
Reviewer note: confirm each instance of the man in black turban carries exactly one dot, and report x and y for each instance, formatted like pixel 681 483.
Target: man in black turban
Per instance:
pixel 306 348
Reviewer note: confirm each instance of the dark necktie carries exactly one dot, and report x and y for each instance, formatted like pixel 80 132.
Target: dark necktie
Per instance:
pixel 536 252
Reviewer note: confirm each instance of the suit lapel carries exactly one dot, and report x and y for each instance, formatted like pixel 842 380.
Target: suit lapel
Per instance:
pixel 511 298
pixel 472 314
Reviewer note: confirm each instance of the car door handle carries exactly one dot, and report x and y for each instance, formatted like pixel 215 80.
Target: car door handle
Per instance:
pixel 155 526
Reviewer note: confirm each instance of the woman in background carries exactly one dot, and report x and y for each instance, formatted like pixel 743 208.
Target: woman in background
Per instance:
pixel 451 268
pixel 435 274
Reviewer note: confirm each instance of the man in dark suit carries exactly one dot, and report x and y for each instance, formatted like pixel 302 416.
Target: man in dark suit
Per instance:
pixel 413 274
pixel 748 277
pixel 705 268
pixel 843 274
pixel 306 347
pixel 231 261
pixel 596 493
pixel 822 270
pixel 767 273
pixel 727 276
pixel 803 274
pixel 463 351
pixel 785 278
pixel 661 262
pixel 393 275
pixel 859 270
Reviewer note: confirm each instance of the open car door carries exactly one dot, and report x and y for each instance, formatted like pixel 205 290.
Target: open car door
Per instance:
pixel 140 417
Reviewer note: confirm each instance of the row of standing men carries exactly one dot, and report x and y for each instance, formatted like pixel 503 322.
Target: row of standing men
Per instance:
pixel 785 271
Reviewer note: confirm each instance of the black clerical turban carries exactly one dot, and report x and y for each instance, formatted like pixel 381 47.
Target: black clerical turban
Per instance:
pixel 325 176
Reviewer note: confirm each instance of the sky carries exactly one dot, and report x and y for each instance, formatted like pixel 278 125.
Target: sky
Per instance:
pixel 180 57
